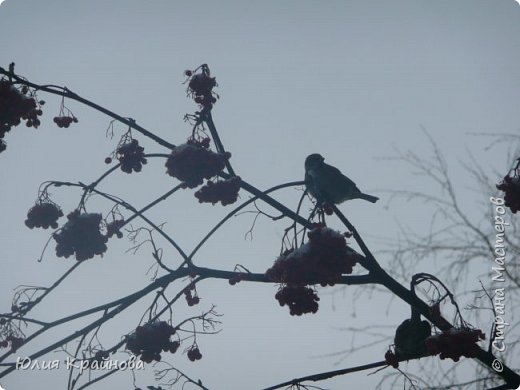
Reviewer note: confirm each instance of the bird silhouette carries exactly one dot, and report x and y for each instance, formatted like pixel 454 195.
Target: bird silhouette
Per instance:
pixel 327 184
pixel 410 336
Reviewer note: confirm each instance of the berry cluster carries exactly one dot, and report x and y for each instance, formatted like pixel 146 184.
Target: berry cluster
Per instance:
pixel 327 208
pixel 16 342
pixel 511 187
pixel 151 339
pixel 236 279
pixel 193 162
pixel 323 259
pixel 80 235
pixel 99 357
pixel 455 343
pixel 131 156
pixel 191 298
pixel 410 337
pixel 15 106
pixel 223 191
pixel 391 359
pixel 43 215
pixel 114 227
pixel 201 86
pixel 299 299
pixel 194 354
pixel 64 121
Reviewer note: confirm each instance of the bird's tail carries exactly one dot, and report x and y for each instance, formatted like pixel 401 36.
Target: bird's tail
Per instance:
pixel 370 198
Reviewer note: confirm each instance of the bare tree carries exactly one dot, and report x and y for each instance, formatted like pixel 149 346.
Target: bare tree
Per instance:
pixel 465 247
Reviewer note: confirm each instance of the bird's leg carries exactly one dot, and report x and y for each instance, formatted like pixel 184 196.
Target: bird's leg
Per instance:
pixel 322 216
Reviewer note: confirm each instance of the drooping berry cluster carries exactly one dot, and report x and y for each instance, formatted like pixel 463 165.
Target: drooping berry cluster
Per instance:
pixel 223 191
pixel 16 342
pixel 81 236
pixel 16 106
pixel 391 359
pixel 322 260
pixel 237 278
pixel 114 227
pixel 299 299
pixel 327 208
pixel 151 339
pixel 200 87
pixel 190 293
pixel 193 162
pixel 65 121
pixel 131 156
pixel 99 357
pixel 194 354
pixel 455 343
pixel 43 215
pixel 511 186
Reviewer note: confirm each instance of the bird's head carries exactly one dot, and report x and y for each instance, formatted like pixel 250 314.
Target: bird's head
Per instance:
pixel 313 161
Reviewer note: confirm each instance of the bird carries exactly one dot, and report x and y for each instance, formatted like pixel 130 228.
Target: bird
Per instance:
pixel 410 336
pixel 327 184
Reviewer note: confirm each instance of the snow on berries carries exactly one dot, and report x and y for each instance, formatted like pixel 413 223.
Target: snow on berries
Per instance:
pixel 43 215
pixel 193 162
pixel 151 339
pixel 131 156
pixel 80 236
pixel 510 185
pixel 454 343
pixel 223 191
pixel 191 298
pixel 322 260
pixel 15 107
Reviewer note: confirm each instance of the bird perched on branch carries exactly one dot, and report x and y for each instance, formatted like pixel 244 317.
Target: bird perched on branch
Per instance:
pixel 410 336
pixel 327 184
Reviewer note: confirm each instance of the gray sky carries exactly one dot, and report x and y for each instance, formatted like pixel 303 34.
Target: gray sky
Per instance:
pixel 351 80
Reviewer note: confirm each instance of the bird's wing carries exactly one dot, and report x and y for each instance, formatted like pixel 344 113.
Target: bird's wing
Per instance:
pixel 338 181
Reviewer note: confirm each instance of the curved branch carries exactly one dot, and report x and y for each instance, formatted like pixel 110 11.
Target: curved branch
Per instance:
pixel 327 375
pixel 64 92
pixel 236 209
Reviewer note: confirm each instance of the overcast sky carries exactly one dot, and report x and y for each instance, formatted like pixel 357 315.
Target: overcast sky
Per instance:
pixel 353 80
